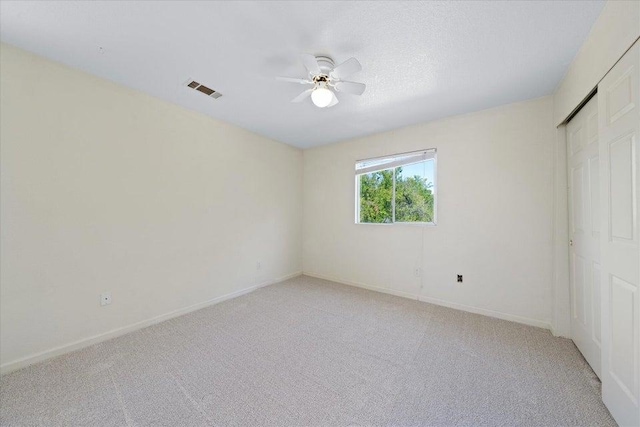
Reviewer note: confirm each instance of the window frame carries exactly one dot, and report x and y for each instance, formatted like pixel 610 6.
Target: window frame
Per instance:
pixel 433 153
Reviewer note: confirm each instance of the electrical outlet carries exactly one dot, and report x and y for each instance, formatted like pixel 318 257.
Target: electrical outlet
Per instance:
pixel 417 272
pixel 105 298
pixel 258 265
pixel 459 278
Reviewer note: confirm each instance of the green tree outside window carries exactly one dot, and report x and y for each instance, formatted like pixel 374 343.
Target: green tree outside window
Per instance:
pixel 413 197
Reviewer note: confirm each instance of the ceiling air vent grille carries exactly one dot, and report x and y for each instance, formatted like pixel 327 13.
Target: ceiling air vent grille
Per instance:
pixel 202 88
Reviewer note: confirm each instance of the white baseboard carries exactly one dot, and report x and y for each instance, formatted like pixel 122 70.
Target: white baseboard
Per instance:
pixel 486 312
pixel 562 333
pixel 477 310
pixel 86 342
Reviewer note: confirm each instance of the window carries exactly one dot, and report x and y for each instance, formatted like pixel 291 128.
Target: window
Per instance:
pixel 397 189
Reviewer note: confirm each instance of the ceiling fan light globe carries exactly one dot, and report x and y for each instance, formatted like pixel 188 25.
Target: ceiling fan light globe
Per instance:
pixel 321 97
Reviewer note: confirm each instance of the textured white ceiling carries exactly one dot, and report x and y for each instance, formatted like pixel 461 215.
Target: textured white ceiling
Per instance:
pixel 421 60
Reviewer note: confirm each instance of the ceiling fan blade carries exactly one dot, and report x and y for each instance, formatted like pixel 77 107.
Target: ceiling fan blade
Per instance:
pixel 347 68
pixel 294 80
pixel 310 63
pixel 334 100
pixel 304 95
pixel 351 87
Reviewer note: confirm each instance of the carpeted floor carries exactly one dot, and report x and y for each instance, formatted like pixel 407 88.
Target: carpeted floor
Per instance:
pixel 312 352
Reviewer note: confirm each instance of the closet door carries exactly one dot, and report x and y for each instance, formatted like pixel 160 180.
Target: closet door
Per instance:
pixel 584 231
pixel 619 129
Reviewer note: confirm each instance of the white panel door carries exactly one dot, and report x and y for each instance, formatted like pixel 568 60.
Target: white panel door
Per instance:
pixel 619 118
pixel 584 231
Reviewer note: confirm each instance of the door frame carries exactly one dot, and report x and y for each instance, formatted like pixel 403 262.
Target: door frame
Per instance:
pixel 561 290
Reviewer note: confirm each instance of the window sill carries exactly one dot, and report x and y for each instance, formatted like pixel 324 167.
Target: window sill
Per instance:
pixel 410 224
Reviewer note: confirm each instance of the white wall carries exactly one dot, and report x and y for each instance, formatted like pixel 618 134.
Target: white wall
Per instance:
pixel 495 213
pixel 106 189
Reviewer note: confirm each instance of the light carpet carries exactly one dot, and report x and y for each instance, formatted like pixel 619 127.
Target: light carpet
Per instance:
pixel 313 352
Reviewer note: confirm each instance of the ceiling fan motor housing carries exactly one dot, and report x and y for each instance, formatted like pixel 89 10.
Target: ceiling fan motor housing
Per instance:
pixel 321 79
pixel 325 63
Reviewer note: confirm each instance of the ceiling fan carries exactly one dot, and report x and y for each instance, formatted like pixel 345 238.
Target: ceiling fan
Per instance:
pixel 326 78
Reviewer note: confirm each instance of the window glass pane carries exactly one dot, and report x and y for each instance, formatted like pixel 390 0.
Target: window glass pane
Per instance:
pixel 376 192
pixel 414 192
pixel 397 188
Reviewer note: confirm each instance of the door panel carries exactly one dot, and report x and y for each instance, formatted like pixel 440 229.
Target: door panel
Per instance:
pixel 594 196
pixel 577 189
pixel 576 138
pixel 584 208
pixel 620 255
pixel 579 312
pixel 622 195
pixel 596 301
pixel 620 97
pixel 622 335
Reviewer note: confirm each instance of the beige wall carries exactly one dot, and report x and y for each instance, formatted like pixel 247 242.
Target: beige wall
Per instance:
pixel 106 189
pixel 616 29
pixel 495 200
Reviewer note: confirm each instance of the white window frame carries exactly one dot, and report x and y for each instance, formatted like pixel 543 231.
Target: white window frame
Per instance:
pixel 403 159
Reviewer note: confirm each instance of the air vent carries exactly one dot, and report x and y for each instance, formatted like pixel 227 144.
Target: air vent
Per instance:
pixel 202 88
